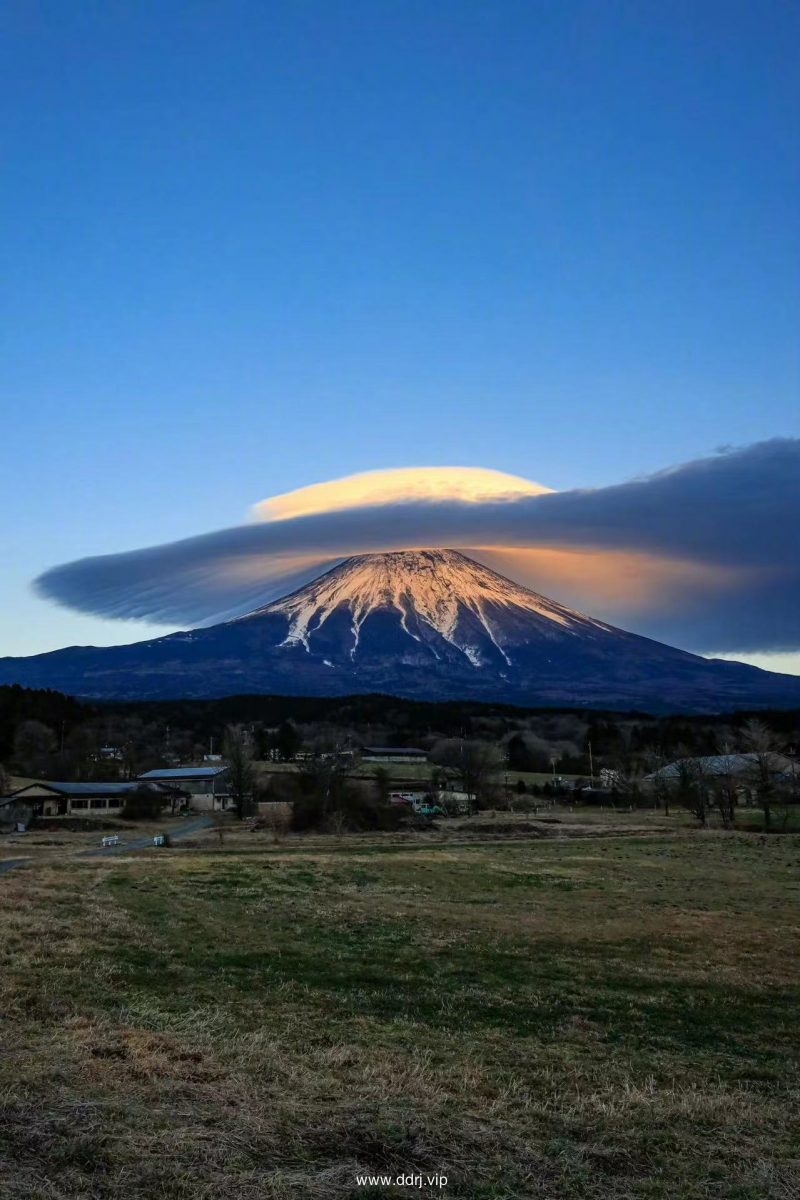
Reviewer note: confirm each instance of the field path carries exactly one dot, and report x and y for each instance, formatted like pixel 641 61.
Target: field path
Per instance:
pixel 186 829
pixel 8 864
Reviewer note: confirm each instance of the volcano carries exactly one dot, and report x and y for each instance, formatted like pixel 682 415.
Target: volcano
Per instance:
pixel 422 624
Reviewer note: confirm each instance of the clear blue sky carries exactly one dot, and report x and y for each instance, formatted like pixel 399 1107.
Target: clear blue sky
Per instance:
pixel 249 246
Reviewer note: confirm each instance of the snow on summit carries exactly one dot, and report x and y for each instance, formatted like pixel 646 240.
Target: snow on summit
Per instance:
pixel 436 589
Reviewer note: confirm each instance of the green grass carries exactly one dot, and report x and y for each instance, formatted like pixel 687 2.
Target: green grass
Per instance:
pixel 577 1017
pixel 412 772
pixel 783 818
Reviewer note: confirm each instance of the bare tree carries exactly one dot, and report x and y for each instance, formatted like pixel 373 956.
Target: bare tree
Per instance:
pixel 760 742
pixel 722 793
pixel 691 787
pixel 278 819
pixel 323 776
pixel 473 764
pixel 138 745
pixel 382 781
pixel 724 786
pixel 238 754
pixel 659 784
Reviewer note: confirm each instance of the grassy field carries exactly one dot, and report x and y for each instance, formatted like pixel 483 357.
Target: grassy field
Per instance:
pixel 546 1016
pixel 419 773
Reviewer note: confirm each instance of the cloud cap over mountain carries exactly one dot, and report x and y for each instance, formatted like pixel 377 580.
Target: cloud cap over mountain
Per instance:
pixel 706 554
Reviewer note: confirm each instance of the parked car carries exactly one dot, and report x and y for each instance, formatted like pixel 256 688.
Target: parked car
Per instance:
pixel 111 840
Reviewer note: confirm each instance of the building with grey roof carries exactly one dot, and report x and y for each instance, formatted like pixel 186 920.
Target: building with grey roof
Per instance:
pixel 720 766
pixel 53 798
pixel 208 787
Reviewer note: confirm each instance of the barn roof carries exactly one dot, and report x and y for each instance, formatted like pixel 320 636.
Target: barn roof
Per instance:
pixel 394 750
pixel 720 764
pixel 178 773
pixel 80 789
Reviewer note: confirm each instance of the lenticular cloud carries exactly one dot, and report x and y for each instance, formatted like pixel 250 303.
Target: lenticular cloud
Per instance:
pixel 408 485
pixel 706 554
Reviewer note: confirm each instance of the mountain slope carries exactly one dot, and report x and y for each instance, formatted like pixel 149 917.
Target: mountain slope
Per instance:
pixel 427 624
pixel 433 592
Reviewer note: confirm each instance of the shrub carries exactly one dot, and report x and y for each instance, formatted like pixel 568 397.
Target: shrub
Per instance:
pixel 143 804
pixel 352 810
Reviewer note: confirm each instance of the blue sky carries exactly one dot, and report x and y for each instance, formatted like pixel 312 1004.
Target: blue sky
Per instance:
pixel 252 246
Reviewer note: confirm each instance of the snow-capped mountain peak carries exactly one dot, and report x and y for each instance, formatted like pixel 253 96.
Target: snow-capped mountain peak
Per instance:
pixel 430 593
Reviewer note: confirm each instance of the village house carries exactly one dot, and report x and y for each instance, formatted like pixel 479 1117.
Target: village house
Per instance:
pixel 743 770
pixel 48 798
pixel 208 787
pixel 393 754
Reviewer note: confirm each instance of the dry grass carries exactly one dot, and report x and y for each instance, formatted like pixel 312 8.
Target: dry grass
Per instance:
pixel 563 1017
pixel 57 843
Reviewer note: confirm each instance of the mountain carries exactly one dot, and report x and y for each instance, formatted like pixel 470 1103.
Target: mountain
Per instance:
pixel 427 624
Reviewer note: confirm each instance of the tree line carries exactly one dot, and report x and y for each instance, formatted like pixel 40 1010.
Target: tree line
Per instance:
pixel 471 748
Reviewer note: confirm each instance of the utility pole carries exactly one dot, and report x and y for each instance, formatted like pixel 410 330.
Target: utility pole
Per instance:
pixel 591 766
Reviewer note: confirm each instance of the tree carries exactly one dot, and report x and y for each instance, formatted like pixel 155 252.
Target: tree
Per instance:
pixel 322 779
pixel 238 754
pixel 144 803
pixel 691 787
pixel 519 755
pixel 287 741
pixel 658 783
pixel 78 760
pixel 18 704
pixel 473 764
pixel 278 819
pixel 759 741
pixel 139 745
pixel 219 829
pixel 725 784
pixel 382 780
pixel 34 742
pixel 722 791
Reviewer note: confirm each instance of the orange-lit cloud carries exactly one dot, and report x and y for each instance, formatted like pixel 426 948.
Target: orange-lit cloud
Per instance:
pixel 616 581
pixel 400 485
